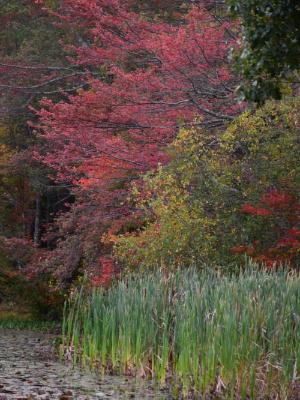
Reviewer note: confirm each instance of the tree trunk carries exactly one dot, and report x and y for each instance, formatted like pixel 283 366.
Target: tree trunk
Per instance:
pixel 37 220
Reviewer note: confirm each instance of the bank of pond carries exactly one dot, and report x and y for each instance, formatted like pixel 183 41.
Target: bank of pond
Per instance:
pixel 197 333
pixel 31 370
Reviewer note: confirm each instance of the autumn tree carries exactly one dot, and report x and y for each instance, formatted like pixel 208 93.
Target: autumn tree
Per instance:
pixel 153 76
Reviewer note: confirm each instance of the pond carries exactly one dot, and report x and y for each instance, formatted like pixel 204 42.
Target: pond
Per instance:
pixel 30 369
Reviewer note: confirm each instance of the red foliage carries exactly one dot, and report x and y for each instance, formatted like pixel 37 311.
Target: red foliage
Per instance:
pixel 26 253
pixel 249 209
pixel 249 250
pixel 146 77
pixel 284 209
pixel 154 74
pixel 107 273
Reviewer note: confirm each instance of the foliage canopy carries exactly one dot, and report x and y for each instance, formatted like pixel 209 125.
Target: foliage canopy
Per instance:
pixel 270 52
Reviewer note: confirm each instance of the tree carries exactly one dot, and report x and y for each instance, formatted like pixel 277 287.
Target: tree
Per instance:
pixel 32 63
pixel 270 55
pixel 153 76
pixel 222 196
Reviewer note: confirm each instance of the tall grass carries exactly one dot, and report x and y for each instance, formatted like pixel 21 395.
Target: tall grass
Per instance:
pixel 203 332
pixel 17 321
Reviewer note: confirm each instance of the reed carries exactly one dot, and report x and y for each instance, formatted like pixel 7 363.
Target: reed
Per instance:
pixel 201 332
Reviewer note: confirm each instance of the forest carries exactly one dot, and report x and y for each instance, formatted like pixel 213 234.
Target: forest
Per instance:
pixel 150 199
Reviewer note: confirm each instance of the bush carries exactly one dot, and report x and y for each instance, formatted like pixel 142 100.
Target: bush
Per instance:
pixel 192 207
pixel 34 297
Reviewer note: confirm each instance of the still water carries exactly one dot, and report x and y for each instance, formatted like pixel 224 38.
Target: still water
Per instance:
pixel 29 369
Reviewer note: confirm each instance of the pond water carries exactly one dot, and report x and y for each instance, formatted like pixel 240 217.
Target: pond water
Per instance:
pixel 29 369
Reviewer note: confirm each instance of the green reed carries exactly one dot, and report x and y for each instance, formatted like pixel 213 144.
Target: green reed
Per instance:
pixel 236 333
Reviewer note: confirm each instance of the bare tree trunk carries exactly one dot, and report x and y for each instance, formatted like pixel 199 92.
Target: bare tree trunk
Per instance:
pixel 48 216
pixel 37 220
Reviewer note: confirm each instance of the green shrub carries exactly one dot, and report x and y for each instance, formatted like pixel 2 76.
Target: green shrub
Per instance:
pixel 191 207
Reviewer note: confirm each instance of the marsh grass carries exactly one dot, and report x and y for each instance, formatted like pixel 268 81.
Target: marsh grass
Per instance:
pixel 24 321
pixel 198 332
